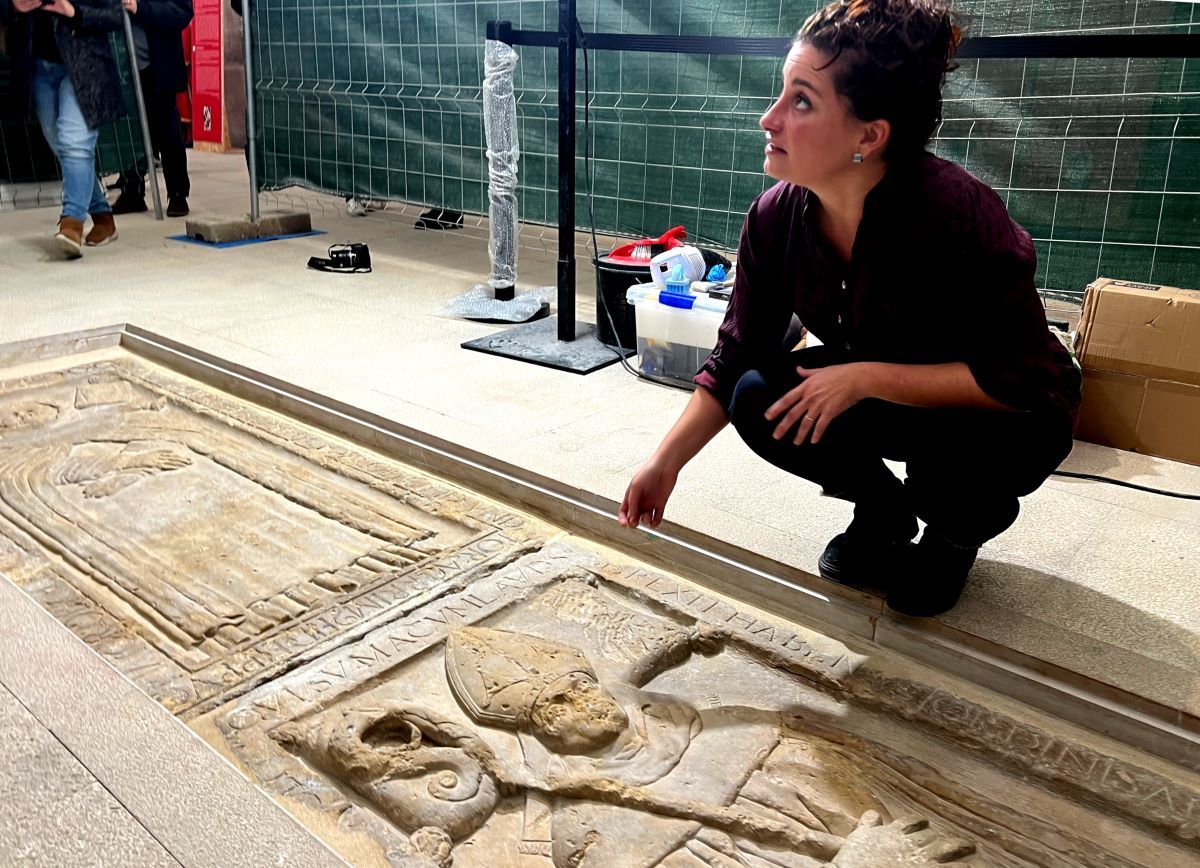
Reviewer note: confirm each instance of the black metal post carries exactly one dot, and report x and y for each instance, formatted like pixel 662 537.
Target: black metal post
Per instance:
pixel 567 43
pixel 140 99
pixel 251 114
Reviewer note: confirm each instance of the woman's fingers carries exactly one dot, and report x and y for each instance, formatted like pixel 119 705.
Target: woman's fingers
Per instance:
pixel 806 424
pixel 641 507
pixel 786 403
pixel 818 430
pixel 627 515
pixel 792 418
pixel 653 514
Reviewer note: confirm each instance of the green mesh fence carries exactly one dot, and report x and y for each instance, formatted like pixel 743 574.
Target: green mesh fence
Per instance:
pixel 1099 159
pixel 25 157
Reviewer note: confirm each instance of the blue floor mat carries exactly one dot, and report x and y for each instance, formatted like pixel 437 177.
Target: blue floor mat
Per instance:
pixel 223 244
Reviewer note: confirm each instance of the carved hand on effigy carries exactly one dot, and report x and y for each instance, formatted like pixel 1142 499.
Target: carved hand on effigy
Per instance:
pixel 904 843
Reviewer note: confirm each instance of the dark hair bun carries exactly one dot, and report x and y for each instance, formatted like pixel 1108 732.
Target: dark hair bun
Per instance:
pixel 890 59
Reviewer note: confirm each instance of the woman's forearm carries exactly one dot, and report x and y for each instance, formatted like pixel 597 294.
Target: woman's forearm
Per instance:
pixel 702 419
pixel 947 385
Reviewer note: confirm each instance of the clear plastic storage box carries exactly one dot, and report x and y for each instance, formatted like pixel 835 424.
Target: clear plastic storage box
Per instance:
pixel 676 329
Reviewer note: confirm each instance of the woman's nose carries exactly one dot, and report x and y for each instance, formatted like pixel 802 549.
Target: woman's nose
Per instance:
pixel 767 121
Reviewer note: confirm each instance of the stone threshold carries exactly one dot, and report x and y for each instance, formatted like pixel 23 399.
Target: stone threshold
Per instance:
pixel 190 801
pixel 744 575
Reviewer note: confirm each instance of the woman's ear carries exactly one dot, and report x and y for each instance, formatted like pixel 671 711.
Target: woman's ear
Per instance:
pixel 875 138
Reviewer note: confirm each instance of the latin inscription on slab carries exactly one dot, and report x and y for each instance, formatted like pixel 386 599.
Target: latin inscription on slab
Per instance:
pixel 202 543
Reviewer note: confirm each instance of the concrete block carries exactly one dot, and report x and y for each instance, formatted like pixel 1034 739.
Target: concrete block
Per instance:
pixel 284 222
pixel 217 229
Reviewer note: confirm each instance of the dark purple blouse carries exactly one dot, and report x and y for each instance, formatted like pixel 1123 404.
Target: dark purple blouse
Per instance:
pixel 939 273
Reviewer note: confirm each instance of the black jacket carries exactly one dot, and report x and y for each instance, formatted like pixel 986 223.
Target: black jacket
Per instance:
pixel 163 21
pixel 83 43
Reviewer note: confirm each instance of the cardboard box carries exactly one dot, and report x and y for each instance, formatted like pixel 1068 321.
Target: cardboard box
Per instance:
pixel 1139 346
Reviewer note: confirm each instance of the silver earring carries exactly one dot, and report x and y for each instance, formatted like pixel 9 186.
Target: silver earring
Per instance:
pixel 857 157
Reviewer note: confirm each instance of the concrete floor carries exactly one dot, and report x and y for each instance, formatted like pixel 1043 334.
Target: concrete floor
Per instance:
pixel 94 772
pixel 1094 585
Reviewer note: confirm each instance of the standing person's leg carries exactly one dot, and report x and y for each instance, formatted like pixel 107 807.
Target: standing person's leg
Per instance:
pixel 73 143
pixel 77 147
pixel 104 225
pixel 847 463
pixel 167 133
pixel 132 198
pixel 46 77
pixel 966 471
pixel 132 181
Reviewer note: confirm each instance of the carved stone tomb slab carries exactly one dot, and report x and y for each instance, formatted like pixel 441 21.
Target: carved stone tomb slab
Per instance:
pixel 203 544
pixel 427 678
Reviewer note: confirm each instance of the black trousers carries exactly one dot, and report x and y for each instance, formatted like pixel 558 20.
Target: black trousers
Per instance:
pixel 166 136
pixel 966 468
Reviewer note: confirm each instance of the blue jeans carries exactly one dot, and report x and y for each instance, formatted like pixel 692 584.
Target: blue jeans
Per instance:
pixel 70 139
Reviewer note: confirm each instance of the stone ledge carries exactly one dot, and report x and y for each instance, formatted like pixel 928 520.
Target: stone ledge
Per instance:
pixel 191 800
pixel 1171 733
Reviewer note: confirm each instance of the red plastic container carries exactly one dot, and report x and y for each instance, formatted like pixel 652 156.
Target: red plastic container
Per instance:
pixel 619 270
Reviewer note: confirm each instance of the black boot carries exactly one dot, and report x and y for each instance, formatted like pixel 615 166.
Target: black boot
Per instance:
pixel 869 553
pixel 934 578
pixel 129 202
pixel 133 193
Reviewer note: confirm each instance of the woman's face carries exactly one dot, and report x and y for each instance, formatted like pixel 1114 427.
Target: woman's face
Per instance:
pixel 811 133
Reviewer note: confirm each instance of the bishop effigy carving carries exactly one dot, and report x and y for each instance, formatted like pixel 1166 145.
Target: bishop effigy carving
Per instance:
pixel 589 755
pixel 562 721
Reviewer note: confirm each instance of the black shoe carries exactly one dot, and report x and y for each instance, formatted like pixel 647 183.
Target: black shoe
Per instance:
pixel 861 560
pixel 935 576
pixel 129 203
pixel 868 554
pixel 440 218
pixel 177 206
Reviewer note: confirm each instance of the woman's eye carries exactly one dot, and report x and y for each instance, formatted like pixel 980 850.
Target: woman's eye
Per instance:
pixel 802 102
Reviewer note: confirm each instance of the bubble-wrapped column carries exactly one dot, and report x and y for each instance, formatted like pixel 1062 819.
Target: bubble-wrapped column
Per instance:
pixel 500 128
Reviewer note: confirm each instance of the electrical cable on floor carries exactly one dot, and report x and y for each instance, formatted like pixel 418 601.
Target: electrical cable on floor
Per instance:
pixel 587 170
pixel 1070 474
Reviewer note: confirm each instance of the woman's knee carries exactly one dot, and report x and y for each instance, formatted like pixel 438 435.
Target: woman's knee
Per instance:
pixel 751 397
pixel 75 142
pixel 73 152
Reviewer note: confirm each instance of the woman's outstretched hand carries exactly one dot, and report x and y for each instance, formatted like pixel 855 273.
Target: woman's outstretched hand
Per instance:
pixel 647 494
pixel 824 395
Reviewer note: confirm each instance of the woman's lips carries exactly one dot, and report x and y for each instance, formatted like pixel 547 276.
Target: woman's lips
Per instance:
pixel 773 149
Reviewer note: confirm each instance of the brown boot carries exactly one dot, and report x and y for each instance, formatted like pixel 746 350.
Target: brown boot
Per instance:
pixel 104 229
pixel 70 237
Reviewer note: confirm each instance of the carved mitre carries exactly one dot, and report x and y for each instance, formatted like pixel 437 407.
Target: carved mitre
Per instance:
pixel 496 675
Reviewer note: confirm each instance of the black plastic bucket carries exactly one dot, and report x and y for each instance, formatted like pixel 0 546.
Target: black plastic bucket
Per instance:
pixel 614 279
